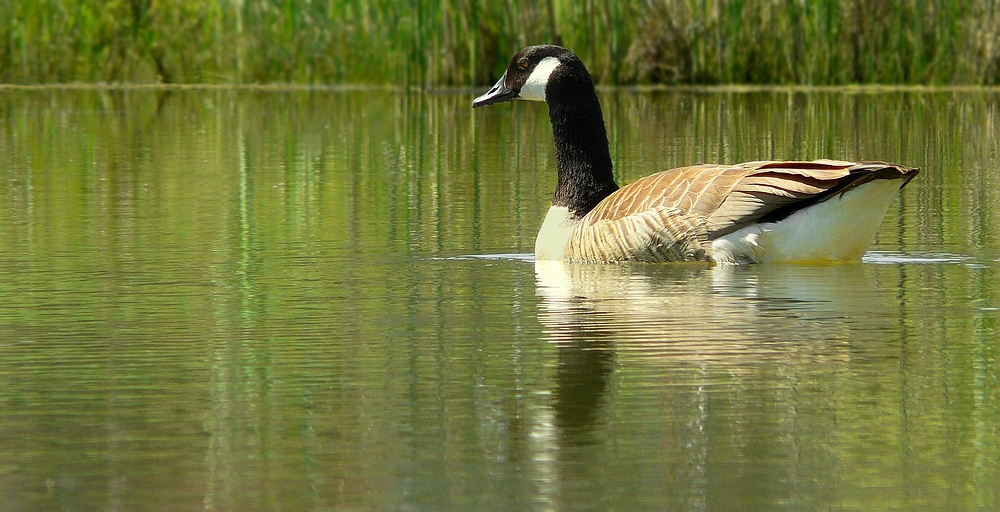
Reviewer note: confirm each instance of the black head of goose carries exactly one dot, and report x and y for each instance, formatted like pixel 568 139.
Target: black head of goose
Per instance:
pixel 743 213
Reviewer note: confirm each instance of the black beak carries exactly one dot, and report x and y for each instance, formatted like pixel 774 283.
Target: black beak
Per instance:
pixel 498 93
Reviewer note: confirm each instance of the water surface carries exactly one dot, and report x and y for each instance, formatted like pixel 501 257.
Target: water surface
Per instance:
pixel 240 300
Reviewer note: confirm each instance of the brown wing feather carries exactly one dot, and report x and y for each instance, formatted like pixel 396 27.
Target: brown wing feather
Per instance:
pixel 675 214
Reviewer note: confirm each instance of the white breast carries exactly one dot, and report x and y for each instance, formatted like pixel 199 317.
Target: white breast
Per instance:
pixel 552 237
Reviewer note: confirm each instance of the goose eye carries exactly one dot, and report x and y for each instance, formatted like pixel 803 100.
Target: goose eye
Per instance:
pixel 523 63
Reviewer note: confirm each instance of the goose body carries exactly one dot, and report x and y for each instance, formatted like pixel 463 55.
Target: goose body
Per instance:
pixel 744 213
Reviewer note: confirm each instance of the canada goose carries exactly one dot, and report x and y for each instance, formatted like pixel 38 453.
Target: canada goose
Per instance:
pixel 743 213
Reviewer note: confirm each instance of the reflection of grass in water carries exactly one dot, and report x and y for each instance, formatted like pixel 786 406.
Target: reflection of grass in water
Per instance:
pixel 270 323
pixel 453 182
pixel 467 42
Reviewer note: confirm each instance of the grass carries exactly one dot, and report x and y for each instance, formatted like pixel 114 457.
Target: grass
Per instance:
pixel 448 43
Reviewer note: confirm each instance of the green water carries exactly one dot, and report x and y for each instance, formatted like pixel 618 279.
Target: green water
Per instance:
pixel 238 300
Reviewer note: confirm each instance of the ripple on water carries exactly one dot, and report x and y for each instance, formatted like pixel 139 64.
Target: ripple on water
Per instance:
pixel 918 258
pixel 873 257
pixel 529 257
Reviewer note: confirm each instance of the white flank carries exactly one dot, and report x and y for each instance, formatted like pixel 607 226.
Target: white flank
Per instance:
pixel 550 244
pixel 840 228
pixel 534 88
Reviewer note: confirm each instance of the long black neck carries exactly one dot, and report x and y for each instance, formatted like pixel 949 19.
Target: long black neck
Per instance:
pixel 582 154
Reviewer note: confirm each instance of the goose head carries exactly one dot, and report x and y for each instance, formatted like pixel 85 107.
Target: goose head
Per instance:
pixel 533 72
pixel 557 77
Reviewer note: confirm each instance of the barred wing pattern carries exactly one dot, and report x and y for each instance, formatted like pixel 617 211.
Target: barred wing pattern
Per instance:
pixel 674 215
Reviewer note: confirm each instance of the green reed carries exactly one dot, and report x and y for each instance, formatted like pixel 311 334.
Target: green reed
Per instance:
pixel 444 43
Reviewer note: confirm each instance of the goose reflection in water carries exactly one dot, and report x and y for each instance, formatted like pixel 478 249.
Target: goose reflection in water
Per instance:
pixel 691 313
pixel 724 330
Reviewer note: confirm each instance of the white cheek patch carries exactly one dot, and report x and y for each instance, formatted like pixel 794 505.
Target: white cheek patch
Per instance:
pixel 534 88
